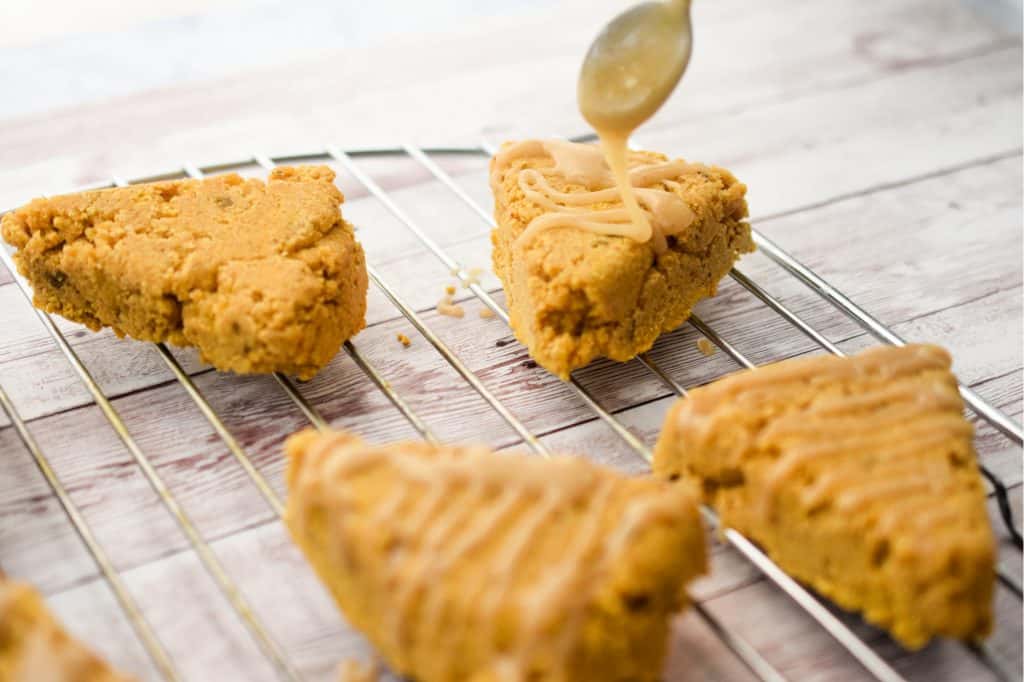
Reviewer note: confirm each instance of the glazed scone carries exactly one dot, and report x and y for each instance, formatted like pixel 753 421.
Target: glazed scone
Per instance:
pixel 460 564
pixel 260 277
pixel 857 475
pixel 35 648
pixel 575 295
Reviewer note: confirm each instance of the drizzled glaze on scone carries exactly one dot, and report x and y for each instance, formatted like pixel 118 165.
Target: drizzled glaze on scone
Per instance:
pixel 584 165
pixel 858 475
pixel 831 438
pixel 473 563
pixel 574 295
pixel 853 466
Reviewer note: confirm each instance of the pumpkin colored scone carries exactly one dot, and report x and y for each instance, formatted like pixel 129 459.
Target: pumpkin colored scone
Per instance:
pixel 258 276
pixel 458 563
pixel 576 295
pixel 858 477
pixel 35 648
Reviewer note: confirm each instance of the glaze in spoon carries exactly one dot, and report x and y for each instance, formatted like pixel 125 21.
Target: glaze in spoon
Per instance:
pixel 634 64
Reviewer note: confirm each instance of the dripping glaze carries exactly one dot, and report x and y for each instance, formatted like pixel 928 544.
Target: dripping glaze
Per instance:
pixel 664 213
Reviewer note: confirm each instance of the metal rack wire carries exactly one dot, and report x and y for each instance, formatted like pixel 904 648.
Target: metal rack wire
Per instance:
pixel 872 663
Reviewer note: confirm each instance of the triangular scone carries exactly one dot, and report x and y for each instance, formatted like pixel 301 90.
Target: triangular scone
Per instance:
pixel 857 475
pixel 574 295
pixel 462 564
pixel 260 277
pixel 34 647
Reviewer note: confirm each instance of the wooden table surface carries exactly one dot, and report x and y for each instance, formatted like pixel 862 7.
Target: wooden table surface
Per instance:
pixel 881 142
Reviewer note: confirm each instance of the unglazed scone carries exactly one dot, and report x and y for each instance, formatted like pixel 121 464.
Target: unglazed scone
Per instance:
pixel 857 475
pixel 460 564
pixel 577 294
pixel 260 277
pixel 35 648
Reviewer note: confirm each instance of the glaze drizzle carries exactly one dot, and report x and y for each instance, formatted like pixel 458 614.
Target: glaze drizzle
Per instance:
pixel 866 434
pixel 451 507
pixel 665 212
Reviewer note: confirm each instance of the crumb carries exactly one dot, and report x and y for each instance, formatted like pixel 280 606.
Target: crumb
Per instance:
pixel 446 307
pixel 450 290
pixel 486 313
pixel 472 277
pixel 404 340
pixel 353 670
pixel 705 346
pixel 450 310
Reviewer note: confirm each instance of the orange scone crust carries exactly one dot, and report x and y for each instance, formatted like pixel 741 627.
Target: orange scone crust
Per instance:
pixel 258 276
pixel 34 647
pixel 858 476
pixel 574 295
pixel 461 564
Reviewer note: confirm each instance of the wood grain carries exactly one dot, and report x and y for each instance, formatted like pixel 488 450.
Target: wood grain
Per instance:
pixel 882 148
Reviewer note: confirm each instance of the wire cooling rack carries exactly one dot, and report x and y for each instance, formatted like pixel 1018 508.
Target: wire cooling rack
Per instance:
pixel 872 663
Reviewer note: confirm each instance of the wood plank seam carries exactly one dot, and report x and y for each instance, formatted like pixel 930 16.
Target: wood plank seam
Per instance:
pixel 895 184
pixel 997 377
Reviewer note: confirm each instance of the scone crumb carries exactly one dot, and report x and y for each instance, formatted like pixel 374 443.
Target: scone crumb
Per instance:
pixel 354 670
pixel 446 307
pixel 404 340
pixel 706 347
pixel 486 313
pixel 473 277
pixel 450 290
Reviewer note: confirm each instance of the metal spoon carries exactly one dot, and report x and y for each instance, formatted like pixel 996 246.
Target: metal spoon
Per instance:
pixel 634 64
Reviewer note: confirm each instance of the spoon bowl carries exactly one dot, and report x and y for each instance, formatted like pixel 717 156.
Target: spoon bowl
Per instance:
pixel 634 64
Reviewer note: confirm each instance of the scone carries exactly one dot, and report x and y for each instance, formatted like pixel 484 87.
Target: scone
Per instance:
pixel 857 475
pixel 460 564
pixel 35 648
pixel 576 294
pixel 260 277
